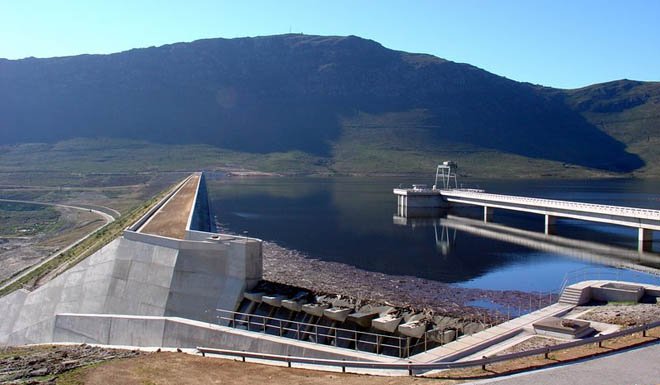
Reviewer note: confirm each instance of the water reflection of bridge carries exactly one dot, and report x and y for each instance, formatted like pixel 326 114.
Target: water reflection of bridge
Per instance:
pixel 445 236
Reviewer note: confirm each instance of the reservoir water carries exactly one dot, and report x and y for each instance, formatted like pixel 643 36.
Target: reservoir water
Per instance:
pixel 353 221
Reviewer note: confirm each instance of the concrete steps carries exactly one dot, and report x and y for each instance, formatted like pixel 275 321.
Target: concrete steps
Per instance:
pixel 571 296
pixel 467 345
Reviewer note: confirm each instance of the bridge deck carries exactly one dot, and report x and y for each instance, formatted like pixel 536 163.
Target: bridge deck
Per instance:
pixel 619 211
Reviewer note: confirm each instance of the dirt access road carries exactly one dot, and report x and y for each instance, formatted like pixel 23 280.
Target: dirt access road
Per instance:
pixel 100 211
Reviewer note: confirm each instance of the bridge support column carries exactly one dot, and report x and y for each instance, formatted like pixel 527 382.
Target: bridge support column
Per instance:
pixel 488 214
pixel 645 240
pixel 550 224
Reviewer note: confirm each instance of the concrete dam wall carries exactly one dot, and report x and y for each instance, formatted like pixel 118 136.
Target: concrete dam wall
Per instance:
pixel 168 264
pixel 159 284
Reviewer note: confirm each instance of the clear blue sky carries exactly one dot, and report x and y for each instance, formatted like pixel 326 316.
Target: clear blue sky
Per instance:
pixel 560 43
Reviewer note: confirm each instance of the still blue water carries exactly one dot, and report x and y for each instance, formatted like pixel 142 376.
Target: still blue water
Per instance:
pixel 350 220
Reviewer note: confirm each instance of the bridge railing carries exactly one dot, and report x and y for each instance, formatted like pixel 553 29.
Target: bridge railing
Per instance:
pixel 560 204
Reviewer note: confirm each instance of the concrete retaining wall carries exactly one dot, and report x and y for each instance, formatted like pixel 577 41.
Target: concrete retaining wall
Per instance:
pixel 585 296
pixel 653 292
pixel 183 333
pixel 614 294
pixel 618 291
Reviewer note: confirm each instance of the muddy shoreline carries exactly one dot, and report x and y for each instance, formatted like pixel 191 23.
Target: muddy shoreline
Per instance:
pixel 294 268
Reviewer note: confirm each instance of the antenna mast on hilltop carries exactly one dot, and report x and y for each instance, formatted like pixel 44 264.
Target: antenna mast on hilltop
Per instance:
pixel 447 173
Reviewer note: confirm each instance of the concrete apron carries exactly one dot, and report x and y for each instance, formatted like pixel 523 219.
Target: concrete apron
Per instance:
pixel 173 332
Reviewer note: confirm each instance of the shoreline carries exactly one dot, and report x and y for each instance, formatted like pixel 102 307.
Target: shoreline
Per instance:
pixel 295 268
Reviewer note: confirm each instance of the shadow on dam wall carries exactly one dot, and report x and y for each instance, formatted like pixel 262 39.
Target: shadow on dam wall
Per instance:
pixel 201 218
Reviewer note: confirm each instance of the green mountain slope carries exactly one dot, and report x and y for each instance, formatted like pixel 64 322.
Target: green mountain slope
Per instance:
pixel 335 104
pixel 629 111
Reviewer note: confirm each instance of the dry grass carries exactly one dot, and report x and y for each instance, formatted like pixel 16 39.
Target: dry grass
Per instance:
pixel 86 223
pixel 179 368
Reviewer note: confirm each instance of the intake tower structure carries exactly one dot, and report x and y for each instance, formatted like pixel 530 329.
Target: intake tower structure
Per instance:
pixel 420 198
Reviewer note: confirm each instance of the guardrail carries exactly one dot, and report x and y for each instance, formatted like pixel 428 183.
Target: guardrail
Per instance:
pixel 560 204
pixel 423 367
pixel 303 330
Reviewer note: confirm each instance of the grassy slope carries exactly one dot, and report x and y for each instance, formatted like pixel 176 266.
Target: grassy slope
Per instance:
pixel 627 110
pixel 404 143
pixel 392 142
pixel 370 145
pixel 129 156
pixel 18 219
pixel 283 95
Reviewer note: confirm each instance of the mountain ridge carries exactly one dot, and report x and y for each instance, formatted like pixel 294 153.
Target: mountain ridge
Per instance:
pixel 298 93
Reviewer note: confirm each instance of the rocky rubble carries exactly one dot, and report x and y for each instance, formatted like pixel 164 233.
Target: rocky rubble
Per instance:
pixel 42 364
pixel 291 267
pixel 532 343
pixel 626 315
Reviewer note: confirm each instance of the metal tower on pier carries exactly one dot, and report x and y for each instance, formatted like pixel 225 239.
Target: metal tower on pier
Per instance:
pixel 446 172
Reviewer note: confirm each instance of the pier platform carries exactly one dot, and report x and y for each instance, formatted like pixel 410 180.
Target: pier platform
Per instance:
pixel 645 220
pixel 419 198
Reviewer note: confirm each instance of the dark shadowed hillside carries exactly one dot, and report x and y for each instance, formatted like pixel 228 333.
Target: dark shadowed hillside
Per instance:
pixel 340 99
pixel 627 110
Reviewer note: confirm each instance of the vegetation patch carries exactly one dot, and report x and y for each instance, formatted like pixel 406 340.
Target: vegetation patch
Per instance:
pixel 368 145
pixel 23 219
pixel 82 249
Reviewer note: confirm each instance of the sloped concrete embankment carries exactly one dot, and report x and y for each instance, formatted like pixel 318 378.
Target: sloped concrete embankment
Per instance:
pixel 142 274
pixel 186 333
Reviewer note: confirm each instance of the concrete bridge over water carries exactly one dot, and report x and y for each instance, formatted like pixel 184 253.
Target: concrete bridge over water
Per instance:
pixel 645 220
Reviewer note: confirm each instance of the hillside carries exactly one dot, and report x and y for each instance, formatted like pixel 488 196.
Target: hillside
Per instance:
pixel 627 110
pixel 337 104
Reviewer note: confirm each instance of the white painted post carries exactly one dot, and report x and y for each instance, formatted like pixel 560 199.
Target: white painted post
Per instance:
pixel 488 214
pixel 645 240
pixel 550 223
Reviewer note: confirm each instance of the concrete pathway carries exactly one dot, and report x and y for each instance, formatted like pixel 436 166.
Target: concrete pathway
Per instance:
pixel 466 346
pixel 637 366
pixel 107 219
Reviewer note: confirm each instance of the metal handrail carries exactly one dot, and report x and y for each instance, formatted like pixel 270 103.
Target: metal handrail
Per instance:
pixel 412 367
pixel 304 323
pixel 305 329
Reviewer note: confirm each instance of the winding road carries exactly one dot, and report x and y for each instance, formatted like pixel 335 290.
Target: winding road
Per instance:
pixel 102 211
